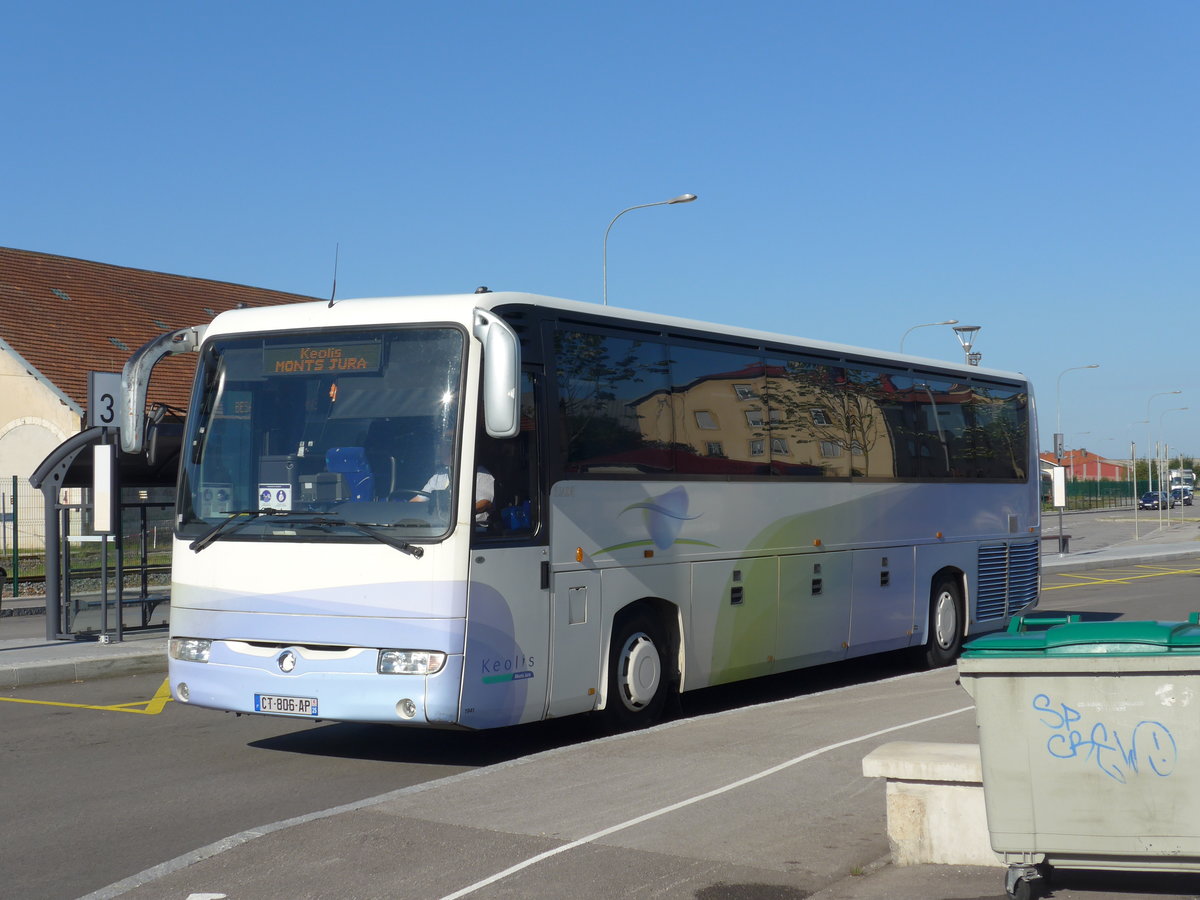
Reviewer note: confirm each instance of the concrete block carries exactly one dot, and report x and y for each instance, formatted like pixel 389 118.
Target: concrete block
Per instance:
pixel 935 803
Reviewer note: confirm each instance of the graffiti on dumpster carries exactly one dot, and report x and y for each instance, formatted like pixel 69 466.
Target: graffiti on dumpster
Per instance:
pixel 1147 747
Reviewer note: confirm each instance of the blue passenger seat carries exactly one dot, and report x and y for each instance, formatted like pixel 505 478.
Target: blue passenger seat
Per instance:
pixel 351 462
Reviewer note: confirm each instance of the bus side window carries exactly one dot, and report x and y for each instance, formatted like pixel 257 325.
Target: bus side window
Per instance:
pixel 513 464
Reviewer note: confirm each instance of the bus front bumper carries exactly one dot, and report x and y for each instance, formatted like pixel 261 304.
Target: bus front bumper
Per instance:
pixel 299 683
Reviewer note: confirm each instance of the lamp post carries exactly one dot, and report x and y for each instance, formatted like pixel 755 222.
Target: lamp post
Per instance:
pixel 966 337
pixel 1160 461
pixel 1133 481
pixel 682 198
pixel 925 325
pixel 1150 438
pixel 1058 395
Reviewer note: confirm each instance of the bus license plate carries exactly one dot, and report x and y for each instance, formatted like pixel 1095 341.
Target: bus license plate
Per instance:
pixel 291 706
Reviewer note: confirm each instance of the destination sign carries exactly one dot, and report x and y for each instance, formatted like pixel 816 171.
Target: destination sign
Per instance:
pixel 351 356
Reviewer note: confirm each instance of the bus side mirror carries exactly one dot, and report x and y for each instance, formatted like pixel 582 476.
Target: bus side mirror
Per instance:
pixel 135 379
pixel 501 375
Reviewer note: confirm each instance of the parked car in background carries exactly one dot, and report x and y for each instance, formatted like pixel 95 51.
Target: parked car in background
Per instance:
pixel 1155 500
pixel 1181 495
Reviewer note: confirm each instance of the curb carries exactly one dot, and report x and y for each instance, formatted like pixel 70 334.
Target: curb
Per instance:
pixel 1090 559
pixel 13 611
pixel 137 661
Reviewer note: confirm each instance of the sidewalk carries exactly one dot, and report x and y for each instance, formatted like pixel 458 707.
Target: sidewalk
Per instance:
pixel 27 657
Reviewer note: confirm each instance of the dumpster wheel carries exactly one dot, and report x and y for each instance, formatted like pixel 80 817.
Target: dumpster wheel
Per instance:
pixel 1026 882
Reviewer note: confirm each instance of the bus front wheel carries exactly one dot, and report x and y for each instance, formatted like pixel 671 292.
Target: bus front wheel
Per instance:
pixel 945 623
pixel 637 673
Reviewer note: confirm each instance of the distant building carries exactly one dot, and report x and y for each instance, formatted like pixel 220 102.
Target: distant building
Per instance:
pixel 1082 465
pixel 61 318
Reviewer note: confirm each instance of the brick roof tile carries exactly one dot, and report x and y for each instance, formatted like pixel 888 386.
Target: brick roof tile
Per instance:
pixel 69 316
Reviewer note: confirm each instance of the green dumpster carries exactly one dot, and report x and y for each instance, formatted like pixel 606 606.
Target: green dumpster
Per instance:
pixel 1089 734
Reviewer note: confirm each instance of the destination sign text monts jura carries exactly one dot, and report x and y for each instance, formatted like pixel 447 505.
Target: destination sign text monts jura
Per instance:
pixel 358 356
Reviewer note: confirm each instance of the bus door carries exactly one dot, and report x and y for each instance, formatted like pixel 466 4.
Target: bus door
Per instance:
pixel 507 666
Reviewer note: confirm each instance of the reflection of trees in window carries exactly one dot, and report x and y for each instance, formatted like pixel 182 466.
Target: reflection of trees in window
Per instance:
pixel 948 430
pixel 917 413
pixel 824 407
pixel 995 433
pixel 631 405
pixel 599 378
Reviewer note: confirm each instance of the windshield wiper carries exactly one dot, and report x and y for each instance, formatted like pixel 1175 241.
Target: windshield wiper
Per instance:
pixel 235 521
pixel 243 517
pixel 367 528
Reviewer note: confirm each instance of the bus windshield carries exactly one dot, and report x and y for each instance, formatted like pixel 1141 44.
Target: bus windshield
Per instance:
pixel 310 437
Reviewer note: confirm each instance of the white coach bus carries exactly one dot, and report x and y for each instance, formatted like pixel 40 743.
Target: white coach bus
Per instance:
pixel 493 508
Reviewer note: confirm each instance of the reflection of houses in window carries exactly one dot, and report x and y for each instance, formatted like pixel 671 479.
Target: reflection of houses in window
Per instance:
pixel 641 406
pixel 767 416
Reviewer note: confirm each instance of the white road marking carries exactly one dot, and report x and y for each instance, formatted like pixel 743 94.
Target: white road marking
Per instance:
pixel 163 869
pixel 741 782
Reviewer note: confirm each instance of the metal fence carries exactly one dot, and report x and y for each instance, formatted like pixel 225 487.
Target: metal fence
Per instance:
pixel 22 535
pixel 145 535
pixel 1098 494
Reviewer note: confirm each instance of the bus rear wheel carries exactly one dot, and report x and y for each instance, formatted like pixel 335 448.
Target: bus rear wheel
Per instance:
pixel 638 682
pixel 945 623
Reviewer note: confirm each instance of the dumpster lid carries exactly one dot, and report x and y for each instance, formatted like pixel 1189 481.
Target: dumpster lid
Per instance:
pixel 1071 636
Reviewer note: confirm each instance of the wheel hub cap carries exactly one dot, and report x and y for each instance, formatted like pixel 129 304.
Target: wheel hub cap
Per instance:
pixel 641 672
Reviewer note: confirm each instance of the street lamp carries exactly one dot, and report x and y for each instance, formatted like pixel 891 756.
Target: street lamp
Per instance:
pixel 682 198
pixel 1160 461
pixel 1149 438
pixel 926 325
pixel 1058 395
pixel 966 337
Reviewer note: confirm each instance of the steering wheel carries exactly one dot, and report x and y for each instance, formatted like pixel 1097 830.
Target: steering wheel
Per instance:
pixel 411 493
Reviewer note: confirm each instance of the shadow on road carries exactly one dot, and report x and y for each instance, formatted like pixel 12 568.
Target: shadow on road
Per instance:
pixel 392 743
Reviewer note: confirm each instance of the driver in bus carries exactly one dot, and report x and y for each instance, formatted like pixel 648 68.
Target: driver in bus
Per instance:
pixel 485 490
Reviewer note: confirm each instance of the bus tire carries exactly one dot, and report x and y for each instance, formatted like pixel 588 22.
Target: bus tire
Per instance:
pixel 945 623
pixel 638 679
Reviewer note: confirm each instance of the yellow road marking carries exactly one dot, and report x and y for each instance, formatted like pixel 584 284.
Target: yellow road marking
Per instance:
pixel 1140 572
pixel 151 707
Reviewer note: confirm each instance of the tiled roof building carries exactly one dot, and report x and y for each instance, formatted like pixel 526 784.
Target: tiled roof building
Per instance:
pixel 61 318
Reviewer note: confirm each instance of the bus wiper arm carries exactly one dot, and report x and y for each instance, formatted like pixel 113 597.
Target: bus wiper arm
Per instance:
pixel 235 521
pixel 368 530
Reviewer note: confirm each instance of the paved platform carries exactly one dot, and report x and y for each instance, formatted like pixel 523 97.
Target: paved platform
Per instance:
pixel 745 805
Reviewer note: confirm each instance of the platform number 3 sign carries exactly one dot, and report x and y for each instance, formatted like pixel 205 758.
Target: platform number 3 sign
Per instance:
pixel 104 398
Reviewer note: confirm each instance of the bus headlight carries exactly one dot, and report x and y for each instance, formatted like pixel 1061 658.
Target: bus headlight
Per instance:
pixel 190 649
pixel 410 662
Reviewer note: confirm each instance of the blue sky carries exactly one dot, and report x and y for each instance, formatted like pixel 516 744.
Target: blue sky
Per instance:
pixel 861 167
